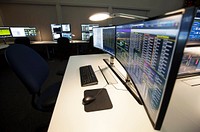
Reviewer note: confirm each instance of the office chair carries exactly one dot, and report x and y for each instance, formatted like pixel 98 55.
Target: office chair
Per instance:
pixel 64 48
pixel 22 40
pixel 33 70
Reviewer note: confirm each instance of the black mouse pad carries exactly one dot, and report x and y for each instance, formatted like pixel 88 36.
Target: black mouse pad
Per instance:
pixel 102 101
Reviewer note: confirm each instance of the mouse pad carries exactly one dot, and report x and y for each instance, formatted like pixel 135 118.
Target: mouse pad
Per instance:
pixel 102 101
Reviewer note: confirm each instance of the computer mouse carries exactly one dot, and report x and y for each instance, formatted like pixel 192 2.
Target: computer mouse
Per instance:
pixel 88 100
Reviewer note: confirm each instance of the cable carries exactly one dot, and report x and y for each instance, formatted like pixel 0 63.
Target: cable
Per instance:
pixel 118 88
pixel 100 91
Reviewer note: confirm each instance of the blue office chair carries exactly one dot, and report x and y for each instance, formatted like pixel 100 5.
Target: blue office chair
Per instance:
pixel 33 70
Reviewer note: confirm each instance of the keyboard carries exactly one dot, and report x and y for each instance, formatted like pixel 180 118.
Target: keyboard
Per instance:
pixel 87 76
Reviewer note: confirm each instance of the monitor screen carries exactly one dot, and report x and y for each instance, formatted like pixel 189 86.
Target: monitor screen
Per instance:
pixel 66 28
pixel 56 31
pixel 18 31
pixel 56 28
pixel 67 35
pixel 194 37
pixel 190 63
pixel 61 30
pixel 85 36
pixel 147 51
pixel 104 39
pixel 5 32
pixel 30 31
pixel 23 31
pixel 86 30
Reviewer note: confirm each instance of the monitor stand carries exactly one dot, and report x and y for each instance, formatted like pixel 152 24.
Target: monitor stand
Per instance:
pixel 125 80
pixel 107 75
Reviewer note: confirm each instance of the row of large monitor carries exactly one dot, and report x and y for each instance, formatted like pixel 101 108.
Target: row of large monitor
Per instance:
pixel 64 30
pixel 58 30
pixel 17 32
pixel 151 52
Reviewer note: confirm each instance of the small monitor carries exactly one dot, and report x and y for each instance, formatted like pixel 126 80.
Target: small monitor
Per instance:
pixel 67 35
pixel 18 31
pixel 66 27
pixel 86 30
pixel 104 39
pixel 5 32
pixel 23 31
pixel 85 36
pixel 56 31
pixel 190 63
pixel 56 36
pixel 30 31
pixel 56 28
pixel 194 36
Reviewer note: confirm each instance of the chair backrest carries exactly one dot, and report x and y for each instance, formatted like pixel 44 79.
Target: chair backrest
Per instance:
pixel 28 65
pixel 64 48
pixel 22 40
pixel 63 41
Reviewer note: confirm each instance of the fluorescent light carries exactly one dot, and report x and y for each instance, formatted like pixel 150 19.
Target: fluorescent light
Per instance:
pixel 105 15
pixel 100 16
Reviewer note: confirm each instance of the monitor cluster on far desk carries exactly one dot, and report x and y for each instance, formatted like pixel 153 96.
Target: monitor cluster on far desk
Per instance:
pixel 8 32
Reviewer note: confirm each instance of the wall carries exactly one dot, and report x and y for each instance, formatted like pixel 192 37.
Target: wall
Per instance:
pixel 41 13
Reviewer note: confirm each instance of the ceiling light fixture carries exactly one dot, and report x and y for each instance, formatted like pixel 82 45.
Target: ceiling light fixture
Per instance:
pixel 106 15
pixel 100 16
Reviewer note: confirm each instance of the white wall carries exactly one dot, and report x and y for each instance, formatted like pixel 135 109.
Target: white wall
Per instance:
pixel 41 13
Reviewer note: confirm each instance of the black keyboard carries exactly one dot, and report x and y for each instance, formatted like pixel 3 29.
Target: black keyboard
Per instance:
pixel 87 76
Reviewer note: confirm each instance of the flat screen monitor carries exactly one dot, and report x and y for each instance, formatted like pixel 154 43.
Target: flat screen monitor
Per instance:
pixel 56 28
pixel 104 39
pixel 23 31
pixel 61 30
pixel 5 32
pixel 86 30
pixel 30 31
pixel 194 36
pixel 18 31
pixel 151 52
pixel 86 35
pixel 67 35
pixel 66 27
pixel 190 63
pixel 56 31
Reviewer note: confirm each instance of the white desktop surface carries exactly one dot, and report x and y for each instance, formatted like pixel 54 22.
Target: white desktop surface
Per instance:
pixel 3 46
pixel 183 113
pixel 69 115
pixel 43 42
pixel 55 42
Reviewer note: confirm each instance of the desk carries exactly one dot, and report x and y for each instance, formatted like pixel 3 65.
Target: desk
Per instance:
pixel 69 115
pixel 55 42
pixel 183 114
pixel 3 46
